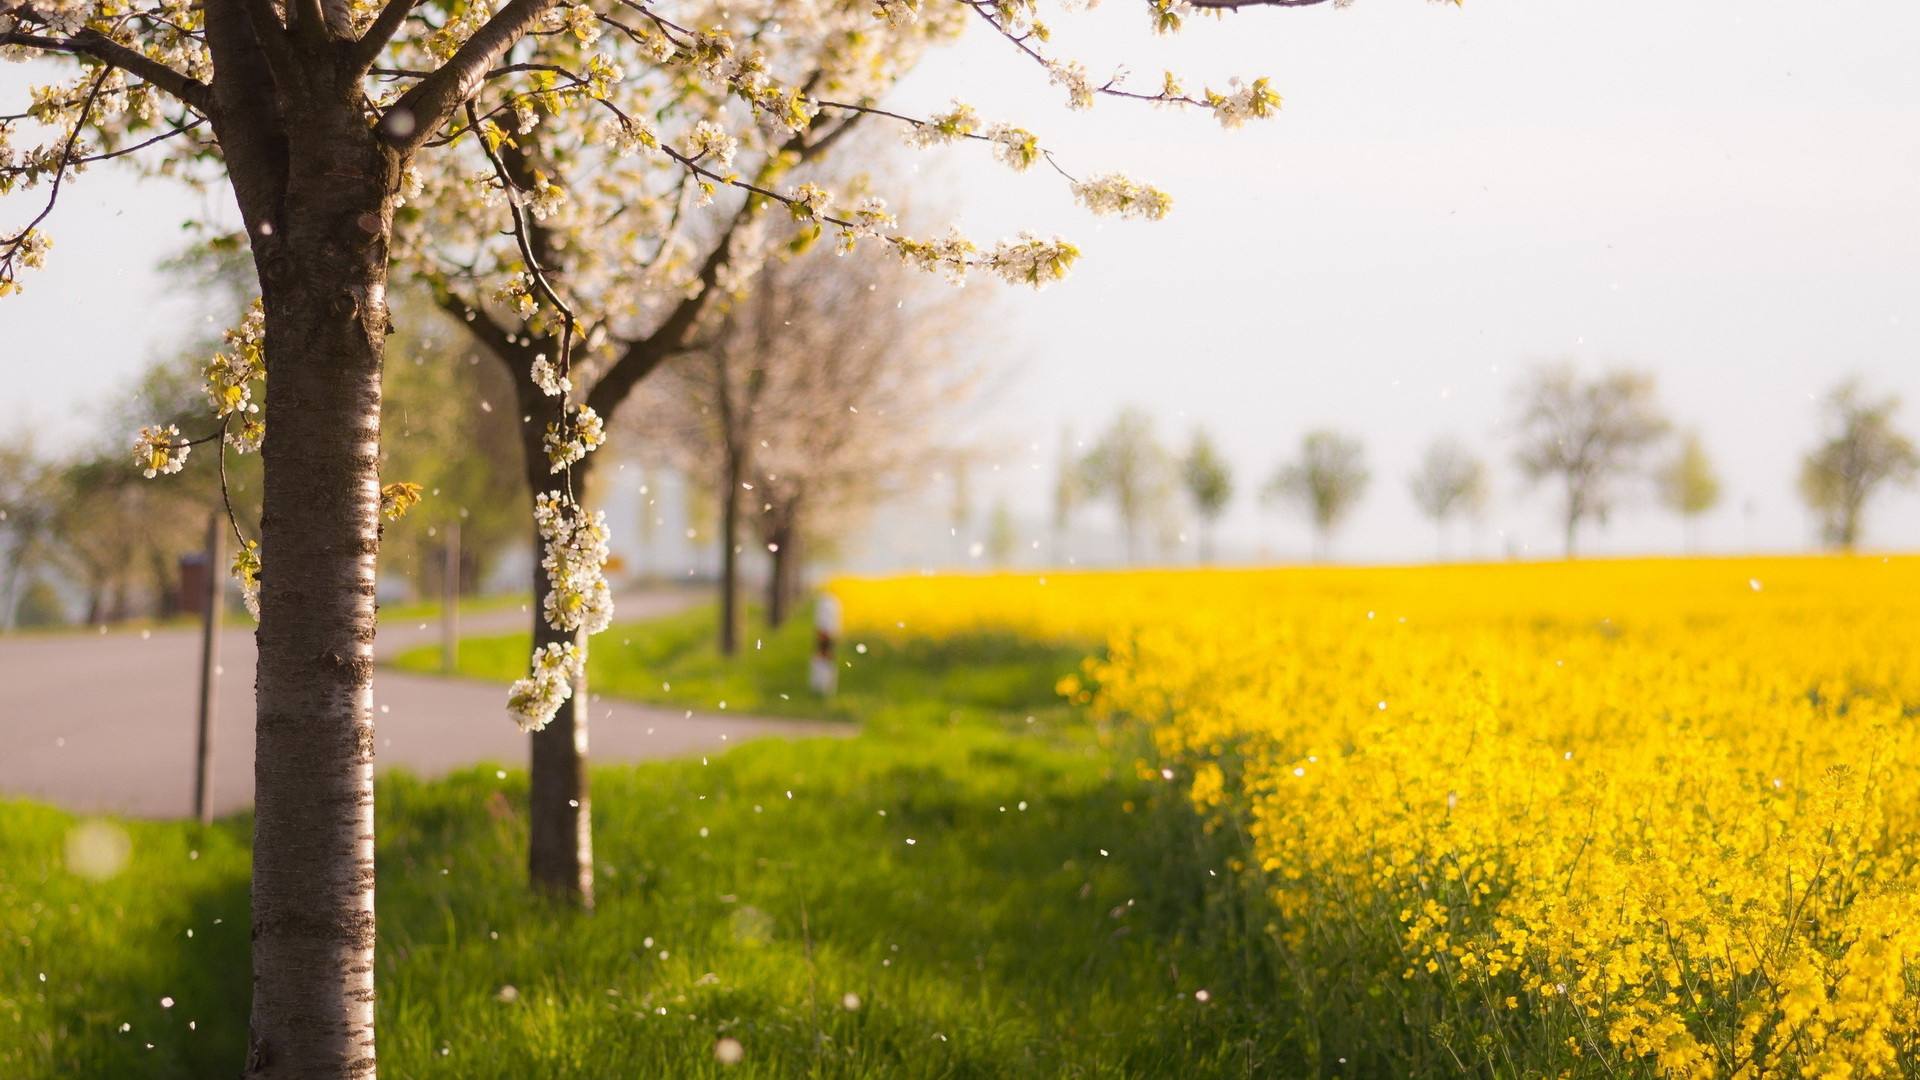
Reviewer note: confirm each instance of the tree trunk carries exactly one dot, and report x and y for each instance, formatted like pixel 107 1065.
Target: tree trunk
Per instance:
pixel 730 553
pixel 779 573
pixel 559 807
pixel 322 255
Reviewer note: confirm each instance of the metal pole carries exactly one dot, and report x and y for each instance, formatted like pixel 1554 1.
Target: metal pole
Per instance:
pixel 450 603
pixel 209 673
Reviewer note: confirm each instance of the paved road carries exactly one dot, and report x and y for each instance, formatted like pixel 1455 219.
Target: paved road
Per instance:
pixel 105 722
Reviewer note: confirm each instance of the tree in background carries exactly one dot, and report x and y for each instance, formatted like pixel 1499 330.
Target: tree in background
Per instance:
pixel 960 496
pixel 865 378
pixel 450 425
pixel 1860 454
pixel 1450 482
pixel 1327 480
pixel 1689 486
pixel 1589 434
pixel 1209 482
pixel 1128 466
pixel 28 499
pixel 1003 537
pixel 814 399
pixel 1066 493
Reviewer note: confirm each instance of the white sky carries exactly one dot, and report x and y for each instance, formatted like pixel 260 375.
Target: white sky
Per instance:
pixel 1725 192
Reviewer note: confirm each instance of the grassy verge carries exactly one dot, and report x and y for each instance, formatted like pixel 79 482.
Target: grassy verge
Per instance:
pixel 975 886
pixel 426 610
pixel 884 683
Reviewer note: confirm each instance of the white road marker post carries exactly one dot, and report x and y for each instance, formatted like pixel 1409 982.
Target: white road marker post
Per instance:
pixel 824 675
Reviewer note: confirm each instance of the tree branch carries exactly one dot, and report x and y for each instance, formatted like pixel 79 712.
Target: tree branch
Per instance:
pixel 481 325
pixel 641 356
pixel 412 120
pixel 369 47
pixel 104 49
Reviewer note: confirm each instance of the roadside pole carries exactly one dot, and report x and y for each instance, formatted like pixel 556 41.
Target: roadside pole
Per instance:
pixel 209 672
pixel 824 669
pixel 450 603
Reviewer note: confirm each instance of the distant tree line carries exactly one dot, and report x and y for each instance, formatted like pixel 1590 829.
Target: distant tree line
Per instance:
pixel 1590 440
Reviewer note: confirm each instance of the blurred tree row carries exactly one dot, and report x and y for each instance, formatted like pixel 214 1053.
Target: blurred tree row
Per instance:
pixel 86 531
pixel 1595 440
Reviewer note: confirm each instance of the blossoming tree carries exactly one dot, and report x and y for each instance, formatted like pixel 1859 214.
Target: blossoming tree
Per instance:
pixel 321 117
pixel 592 285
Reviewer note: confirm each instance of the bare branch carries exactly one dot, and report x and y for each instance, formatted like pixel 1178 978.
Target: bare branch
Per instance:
pixel 142 144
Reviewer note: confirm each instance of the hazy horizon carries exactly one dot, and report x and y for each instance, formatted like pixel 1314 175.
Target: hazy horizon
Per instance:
pixel 1724 194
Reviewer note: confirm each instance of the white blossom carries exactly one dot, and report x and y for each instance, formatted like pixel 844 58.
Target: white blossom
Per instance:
pixel 246 571
pixel 584 25
pixel 533 701
pixel 1115 194
pixel 1029 260
pixel 564 446
pixel 954 124
pixel 810 200
pixel 711 140
pixel 1241 103
pixel 547 377
pixel 1072 74
pixel 159 450
pixel 948 255
pixel 1016 148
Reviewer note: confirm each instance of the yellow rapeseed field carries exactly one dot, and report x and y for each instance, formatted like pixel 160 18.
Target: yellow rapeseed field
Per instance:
pixel 1651 817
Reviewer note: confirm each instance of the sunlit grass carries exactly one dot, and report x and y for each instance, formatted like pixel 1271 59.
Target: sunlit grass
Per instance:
pixel 975 886
pixel 675 660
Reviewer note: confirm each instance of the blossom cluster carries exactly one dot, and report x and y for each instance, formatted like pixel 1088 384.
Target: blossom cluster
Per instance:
pixel 159 451
pixel 246 571
pixel 567 443
pixel 533 701
pixel 578 601
pixel 547 376
pixel 230 380
pixel 1255 100
pixel 1115 194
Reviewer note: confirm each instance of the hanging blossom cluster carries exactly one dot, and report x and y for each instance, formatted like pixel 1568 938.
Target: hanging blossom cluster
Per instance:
pixel 573 555
pixel 578 601
pixel 246 571
pixel 567 443
pixel 230 379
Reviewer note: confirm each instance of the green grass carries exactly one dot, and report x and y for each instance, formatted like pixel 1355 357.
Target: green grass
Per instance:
pixel 1053 915
pixel 884 683
pixel 425 610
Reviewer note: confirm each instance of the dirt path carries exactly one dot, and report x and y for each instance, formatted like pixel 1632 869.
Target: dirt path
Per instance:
pixel 105 722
